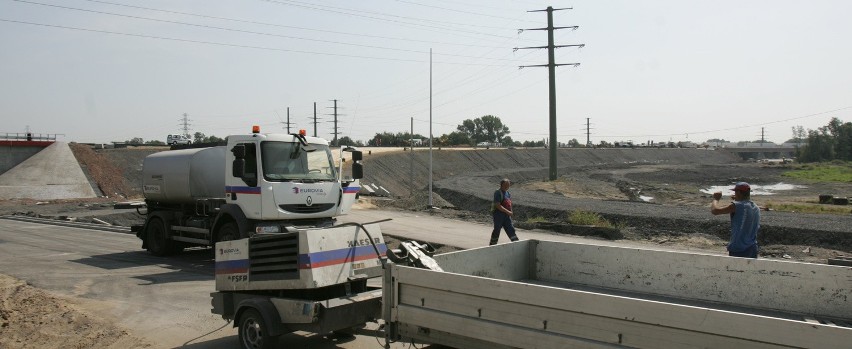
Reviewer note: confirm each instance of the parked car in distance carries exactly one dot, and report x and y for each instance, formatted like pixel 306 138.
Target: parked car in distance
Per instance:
pixel 178 139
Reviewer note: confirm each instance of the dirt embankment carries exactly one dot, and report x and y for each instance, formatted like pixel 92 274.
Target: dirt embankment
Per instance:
pixel 651 194
pixel 32 318
pixel 611 182
pixel 116 173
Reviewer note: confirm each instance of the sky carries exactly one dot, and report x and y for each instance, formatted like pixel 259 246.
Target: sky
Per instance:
pixel 103 71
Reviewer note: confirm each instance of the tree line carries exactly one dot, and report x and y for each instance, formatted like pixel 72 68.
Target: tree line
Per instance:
pixel 827 143
pixel 830 142
pixel 198 137
pixel 487 129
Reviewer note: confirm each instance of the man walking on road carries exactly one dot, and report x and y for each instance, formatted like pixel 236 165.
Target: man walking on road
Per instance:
pixel 501 209
pixel 745 221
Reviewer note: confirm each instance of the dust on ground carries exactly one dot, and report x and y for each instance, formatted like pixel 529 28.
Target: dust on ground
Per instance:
pixel 32 318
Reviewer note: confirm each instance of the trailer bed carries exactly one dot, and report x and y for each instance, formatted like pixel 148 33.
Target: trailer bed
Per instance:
pixel 544 294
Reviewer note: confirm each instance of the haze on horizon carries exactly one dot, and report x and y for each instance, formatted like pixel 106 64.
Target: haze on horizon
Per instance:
pixel 112 70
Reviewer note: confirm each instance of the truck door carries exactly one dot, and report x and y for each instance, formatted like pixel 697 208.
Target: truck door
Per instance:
pixel 242 187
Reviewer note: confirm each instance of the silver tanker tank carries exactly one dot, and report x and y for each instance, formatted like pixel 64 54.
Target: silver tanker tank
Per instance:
pixel 182 176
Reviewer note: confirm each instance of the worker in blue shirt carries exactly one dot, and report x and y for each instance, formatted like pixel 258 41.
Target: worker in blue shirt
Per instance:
pixel 501 210
pixel 745 220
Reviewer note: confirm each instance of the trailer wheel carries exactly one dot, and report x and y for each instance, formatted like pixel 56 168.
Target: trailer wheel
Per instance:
pixel 157 239
pixel 254 334
pixel 228 232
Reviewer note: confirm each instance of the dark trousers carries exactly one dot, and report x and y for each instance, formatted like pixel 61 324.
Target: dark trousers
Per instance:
pixel 751 252
pixel 502 221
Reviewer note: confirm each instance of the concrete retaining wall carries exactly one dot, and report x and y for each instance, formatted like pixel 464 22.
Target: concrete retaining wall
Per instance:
pixel 51 174
pixel 12 155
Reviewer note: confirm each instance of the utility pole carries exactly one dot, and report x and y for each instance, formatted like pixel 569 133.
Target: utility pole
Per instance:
pixel 288 120
pixel 411 164
pixel 335 133
pixel 315 119
pixel 551 65
pixel 430 131
pixel 185 124
pixel 588 133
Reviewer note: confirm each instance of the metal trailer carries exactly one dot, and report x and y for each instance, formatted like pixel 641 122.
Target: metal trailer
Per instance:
pixel 544 294
pixel 313 280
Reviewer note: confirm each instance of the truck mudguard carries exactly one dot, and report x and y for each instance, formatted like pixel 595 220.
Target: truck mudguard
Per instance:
pixel 143 233
pixel 234 212
pixel 266 309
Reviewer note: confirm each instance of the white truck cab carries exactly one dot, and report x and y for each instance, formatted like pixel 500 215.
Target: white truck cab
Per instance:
pixel 275 177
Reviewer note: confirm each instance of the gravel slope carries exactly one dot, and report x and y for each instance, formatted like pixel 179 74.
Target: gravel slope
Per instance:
pixel 466 180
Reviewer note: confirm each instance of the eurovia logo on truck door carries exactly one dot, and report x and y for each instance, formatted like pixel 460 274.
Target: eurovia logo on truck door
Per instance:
pixel 315 191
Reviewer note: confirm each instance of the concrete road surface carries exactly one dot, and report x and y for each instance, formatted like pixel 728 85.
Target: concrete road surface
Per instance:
pixel 166 300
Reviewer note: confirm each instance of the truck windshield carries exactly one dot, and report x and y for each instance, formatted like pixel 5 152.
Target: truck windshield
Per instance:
pixel 285 161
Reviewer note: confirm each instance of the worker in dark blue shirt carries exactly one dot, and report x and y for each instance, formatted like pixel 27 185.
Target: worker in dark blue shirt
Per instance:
pixel 745 220
pixel 501 210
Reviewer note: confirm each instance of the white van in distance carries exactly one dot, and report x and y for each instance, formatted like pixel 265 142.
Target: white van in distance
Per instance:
pixel 178 139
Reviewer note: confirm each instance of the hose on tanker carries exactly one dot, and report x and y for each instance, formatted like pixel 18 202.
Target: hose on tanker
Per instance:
pixel 360 225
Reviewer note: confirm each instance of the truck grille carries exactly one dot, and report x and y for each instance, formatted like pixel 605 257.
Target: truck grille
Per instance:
pixel 274 257
pixel 306 209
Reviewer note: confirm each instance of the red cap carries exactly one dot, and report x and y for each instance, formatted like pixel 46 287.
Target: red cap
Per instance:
pixel 742 187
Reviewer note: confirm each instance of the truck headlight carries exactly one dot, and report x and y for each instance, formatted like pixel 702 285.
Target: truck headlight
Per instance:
pixel 267 229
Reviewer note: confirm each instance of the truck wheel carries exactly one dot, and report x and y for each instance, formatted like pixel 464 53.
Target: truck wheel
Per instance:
pixel 157 239
pixel 228 232
pixel 254 334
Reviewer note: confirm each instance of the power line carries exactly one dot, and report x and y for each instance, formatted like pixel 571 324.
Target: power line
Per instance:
pixel 226 44
pixel 244 31
pixel 460 11
pixel 342 10
pixel 292 27
pixel 217 28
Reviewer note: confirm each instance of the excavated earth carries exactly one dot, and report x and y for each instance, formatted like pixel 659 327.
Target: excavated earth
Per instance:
pixel 613 183
pixel 609 182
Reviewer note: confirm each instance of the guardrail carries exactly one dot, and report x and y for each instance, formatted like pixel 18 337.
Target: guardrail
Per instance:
pixel 66 223
pixel 29 136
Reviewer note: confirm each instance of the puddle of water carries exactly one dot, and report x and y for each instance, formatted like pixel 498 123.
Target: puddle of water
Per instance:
pixel 770 189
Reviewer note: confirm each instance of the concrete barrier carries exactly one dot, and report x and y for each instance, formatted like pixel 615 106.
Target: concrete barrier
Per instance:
pixel 52 173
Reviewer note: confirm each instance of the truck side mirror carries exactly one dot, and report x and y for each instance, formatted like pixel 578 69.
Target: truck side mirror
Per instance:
pixel 357 155
pixel 357 170
pixel 239 151
pixel 239 167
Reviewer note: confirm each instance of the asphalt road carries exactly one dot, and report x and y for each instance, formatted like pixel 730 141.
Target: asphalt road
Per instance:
pixel 166 300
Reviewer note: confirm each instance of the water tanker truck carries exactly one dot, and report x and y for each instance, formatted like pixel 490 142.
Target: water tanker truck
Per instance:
pixel 256 184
